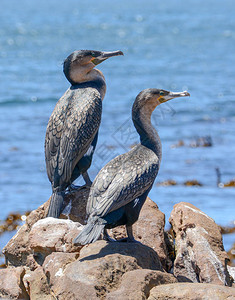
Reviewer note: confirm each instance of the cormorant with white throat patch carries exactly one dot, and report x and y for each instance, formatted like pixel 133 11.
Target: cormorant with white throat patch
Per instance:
pixel 72 130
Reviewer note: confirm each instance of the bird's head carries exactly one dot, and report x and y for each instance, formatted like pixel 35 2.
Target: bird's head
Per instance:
pixel 80 63
pixel 149 99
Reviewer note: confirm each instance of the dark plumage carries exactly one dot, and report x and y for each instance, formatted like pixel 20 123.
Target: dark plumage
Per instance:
pixel 121 187
pixel 72 130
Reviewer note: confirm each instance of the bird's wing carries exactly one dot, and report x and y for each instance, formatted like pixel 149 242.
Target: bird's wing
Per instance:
pixel 71 128
pixel 122 180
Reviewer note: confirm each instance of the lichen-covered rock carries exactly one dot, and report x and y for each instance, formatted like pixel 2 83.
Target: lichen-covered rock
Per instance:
pixel 192 291
pixel 137 284
pixel 200 255
pixel 149 230
pixel 11 286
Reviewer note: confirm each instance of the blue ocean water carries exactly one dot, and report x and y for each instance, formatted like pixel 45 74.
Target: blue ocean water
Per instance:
pixel 174 45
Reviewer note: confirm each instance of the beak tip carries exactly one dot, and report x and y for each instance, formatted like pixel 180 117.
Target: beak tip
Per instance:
pixel 186 93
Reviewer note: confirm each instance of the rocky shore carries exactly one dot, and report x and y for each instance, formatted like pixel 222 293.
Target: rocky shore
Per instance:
pixel 42 263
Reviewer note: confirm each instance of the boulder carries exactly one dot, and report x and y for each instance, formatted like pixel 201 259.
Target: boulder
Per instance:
pixel 231 271
pixel 200 255
pixel 137 284
pixel 11 286
pixel 36 285
pixel 56 262
pixel 149 230
pixel 74 207
pixel 191 291
pixel 16 251
pixel 53 235
pixel 99 269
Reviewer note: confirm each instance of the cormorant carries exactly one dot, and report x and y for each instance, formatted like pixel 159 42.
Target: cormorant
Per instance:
pixel 122 185
pixel 72 130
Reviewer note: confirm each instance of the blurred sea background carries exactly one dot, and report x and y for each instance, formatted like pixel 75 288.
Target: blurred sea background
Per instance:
pixel 174 45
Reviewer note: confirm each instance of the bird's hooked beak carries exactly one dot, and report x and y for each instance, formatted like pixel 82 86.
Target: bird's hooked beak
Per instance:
pixel 105 55
pixel 172 95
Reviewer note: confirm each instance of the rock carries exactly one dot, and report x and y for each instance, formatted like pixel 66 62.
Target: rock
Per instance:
pixel 53 235
pixel 191 291
pixel 56 262
pixel 16 251
pixel 200 255
pixel 37 214
pixel 11 286
pixel 231 271
pixel 144 256
pixel 99 269
pixel 36 285
pixel 137 284
pixel 149 230
pixel 75 205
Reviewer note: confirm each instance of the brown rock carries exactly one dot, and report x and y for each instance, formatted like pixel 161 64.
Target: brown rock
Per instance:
pixel 99 269
pixel 137 284
pixel 149 230
pixel 11 286
pixel 56 262
pixel 37 214
pixel 191 291
pixel 75 205
pixel 231 271
pixel 36 285
pixel 145 256
pixel 200 255
pixel 16 251
pixel 53 235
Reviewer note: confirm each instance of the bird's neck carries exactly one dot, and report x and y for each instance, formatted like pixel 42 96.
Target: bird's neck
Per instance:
pixel 93 76
pixel 148 134
pixel 97 76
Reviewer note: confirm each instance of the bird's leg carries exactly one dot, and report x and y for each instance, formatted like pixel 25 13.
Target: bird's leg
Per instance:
pixel 130 237
pixel 87 179
pixel 107 236
pixel 88 183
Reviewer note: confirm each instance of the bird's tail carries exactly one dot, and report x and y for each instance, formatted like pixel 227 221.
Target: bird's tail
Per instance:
pixel 56 203
pixel 90 233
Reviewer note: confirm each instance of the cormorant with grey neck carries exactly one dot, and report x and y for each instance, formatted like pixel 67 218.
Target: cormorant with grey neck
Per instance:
pixel 121 187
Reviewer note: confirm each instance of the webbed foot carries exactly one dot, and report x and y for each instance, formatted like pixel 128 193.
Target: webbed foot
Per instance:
pixel 128 240
pixel 74 187
pixel 107 237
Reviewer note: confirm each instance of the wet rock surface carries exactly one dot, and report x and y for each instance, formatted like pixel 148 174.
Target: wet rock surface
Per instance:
pixel 44 264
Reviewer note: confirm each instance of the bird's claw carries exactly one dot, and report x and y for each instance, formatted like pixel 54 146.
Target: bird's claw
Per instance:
pixel 74 187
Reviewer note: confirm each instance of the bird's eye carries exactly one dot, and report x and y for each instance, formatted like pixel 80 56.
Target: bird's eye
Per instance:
pixel 161 93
